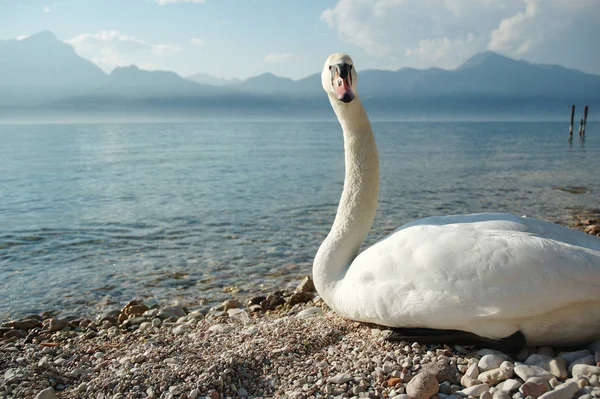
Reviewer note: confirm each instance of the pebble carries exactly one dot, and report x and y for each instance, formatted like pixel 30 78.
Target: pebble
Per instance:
pixel 585 370
pixel 563 391
pixel 546 351
pixel 23 324
pixel 220 328
pixel 493 377
pixel 172 311
pixel 47 393
pixel 473 371
pixel 570 357
pixel 306 285
pixel 340 378
pixel 278 354
pixel 589 360
pixel 526 372
pixel 422 386
pixel 534 389
pixel 510 385
pixel 310 312
pixel 57 324
pixel 536 359
pixel 489 362
pixel 594 346
pixel 181 329
pixel 558 367
pixel 443 371
pixel 475 390
pixel 501 395
pixel 232 304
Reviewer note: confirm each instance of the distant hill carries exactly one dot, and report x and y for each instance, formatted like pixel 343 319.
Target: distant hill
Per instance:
pixel 207 79
pixel 43 72
pixel 133 82
pixel 40 68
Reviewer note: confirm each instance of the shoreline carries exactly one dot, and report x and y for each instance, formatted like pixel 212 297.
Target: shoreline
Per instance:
pixel 286 344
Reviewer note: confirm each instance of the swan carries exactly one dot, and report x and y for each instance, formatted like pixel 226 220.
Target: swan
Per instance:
pixel 494 276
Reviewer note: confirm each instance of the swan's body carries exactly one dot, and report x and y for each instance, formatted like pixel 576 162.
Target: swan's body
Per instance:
pixel 488 274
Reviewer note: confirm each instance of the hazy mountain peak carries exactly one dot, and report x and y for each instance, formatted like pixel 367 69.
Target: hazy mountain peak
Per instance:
pixel 43 35
pixel 485 58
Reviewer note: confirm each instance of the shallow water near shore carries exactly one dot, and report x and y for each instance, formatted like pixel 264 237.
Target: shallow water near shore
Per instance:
pixel 95 215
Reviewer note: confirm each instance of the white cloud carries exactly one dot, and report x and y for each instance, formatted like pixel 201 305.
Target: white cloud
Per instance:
pixel 281 57
pixel 46 9
pixel 442 52
pixel 111 49
pixel 443 33
pixel 539 21
pixel 21 37
pixel 197 42
pixel 165 2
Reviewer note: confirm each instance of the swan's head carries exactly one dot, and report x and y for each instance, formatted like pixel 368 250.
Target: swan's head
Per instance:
pixel 339 77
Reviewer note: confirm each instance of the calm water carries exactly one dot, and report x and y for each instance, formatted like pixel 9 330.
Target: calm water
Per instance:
pixel 95 214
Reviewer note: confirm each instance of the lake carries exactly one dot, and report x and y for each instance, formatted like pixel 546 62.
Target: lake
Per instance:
pixel 95 215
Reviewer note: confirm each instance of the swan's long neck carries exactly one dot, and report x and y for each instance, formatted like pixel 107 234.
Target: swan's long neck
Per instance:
pixel 358 204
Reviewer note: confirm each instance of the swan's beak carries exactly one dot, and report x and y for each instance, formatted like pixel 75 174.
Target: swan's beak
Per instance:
pixel 341 79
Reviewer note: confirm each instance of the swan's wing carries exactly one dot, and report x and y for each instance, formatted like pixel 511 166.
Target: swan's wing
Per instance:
pixel 499 268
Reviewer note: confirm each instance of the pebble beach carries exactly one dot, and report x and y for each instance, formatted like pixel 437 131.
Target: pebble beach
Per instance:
pixel 287 344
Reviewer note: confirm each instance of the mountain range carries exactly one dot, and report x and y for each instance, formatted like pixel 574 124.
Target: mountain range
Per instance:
pixel 41 72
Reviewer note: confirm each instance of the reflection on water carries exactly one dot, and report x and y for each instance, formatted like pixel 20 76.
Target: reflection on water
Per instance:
pixel 197 212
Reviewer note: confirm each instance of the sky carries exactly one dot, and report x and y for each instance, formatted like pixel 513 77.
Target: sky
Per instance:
pixel 243 38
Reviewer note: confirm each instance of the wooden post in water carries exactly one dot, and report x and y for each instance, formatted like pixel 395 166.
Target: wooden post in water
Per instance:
pixel 585 110
pixel 572 116
pixel 581 128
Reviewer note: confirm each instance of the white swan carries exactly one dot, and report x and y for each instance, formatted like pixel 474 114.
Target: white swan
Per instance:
pixel 493 274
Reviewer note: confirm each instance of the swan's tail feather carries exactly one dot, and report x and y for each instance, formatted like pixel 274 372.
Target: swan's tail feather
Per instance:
pixel 511 344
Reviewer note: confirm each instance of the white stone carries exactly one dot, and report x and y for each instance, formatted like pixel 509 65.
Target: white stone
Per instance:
pixel 490 362
pixel 310 312
pixel 340 378
pixel 483 352
pixel 194 393
pixel 475 390
pixel 388 367
pixel 220 328
pixel 500 395
pixel 563 391
pixel 179 330
pixel 493 377
pixel 510 385
pixel 526 372
pixel 589 359
pixel 473 371
pixel 558 367
pixel 175 390
pixel 585 370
